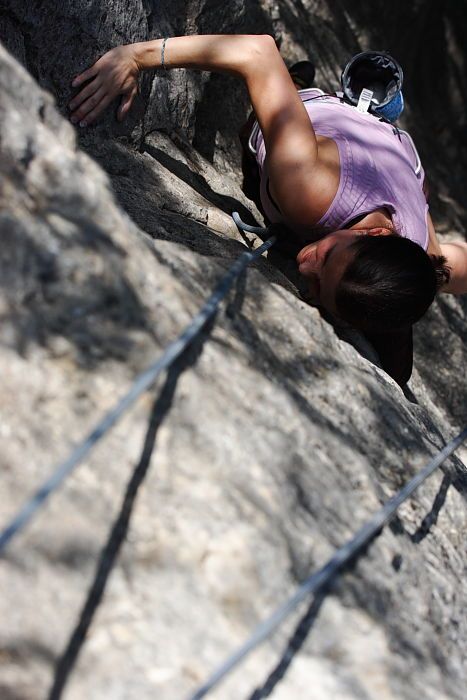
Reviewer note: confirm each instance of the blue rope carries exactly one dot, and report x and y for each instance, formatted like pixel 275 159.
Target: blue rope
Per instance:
pixel 140 385
pixel 320 580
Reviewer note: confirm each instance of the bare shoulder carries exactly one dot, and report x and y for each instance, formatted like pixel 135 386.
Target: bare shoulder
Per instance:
pixel 303 167
pixel 307 189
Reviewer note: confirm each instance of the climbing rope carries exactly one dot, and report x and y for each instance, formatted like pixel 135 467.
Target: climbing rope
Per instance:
pixel 318 584
pixel 141 384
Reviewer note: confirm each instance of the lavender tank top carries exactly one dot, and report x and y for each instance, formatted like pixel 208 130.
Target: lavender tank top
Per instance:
pixel 378 168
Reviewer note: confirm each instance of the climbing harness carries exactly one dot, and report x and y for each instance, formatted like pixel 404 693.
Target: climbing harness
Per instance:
pixel 141 384
pixel 318 584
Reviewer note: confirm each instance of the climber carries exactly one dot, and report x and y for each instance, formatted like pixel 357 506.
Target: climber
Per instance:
pixel 341 181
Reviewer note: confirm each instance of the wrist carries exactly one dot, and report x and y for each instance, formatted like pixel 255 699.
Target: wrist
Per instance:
pixel 147 54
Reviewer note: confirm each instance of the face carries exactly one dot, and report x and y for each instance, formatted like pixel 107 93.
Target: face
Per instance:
pixel 324 262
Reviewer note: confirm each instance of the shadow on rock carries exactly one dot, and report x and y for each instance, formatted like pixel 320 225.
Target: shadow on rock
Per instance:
pixel 440 342
pixel 80 303
pixel 119 530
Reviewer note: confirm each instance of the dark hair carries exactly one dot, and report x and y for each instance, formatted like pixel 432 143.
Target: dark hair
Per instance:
pixel 389 284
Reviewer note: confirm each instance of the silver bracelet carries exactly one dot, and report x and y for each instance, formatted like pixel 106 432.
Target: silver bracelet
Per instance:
pixel 164 41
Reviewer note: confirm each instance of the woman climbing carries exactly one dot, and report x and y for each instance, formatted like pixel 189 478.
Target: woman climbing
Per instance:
pixel 340 180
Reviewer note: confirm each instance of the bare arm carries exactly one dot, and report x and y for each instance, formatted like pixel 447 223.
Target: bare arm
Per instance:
pixel 289 136
pixel 117 71
pixel 456 256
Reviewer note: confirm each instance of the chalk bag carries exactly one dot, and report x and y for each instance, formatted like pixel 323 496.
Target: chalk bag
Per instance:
pixel 372 81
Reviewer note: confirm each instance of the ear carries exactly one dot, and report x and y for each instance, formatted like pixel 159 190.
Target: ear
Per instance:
pixel 379 231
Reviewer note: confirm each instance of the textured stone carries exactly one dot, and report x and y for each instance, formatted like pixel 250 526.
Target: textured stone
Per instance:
pixel 280 440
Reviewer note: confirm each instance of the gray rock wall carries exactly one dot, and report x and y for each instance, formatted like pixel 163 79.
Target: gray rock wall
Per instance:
pixel 274 441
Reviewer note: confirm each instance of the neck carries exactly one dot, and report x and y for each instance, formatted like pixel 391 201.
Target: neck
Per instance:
pixel 380 218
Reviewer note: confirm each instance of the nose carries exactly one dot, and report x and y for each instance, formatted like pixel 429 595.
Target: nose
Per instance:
pixel 304 252
pixel 307 259
pixel 307 267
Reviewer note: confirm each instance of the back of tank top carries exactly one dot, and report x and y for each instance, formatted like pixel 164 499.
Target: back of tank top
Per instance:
pixel 379 167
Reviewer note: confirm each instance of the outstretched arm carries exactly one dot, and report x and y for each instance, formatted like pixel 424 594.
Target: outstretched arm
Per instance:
pixel 288 133
pixel 117 71
pixel 456 257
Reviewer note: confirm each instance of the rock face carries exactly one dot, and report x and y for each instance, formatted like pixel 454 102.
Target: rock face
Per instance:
pixel 269 445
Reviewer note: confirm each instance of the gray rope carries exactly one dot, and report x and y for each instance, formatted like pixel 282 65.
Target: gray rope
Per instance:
pixel 141 384
pixel 294 645
pixel 259 230
pixel 322 578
